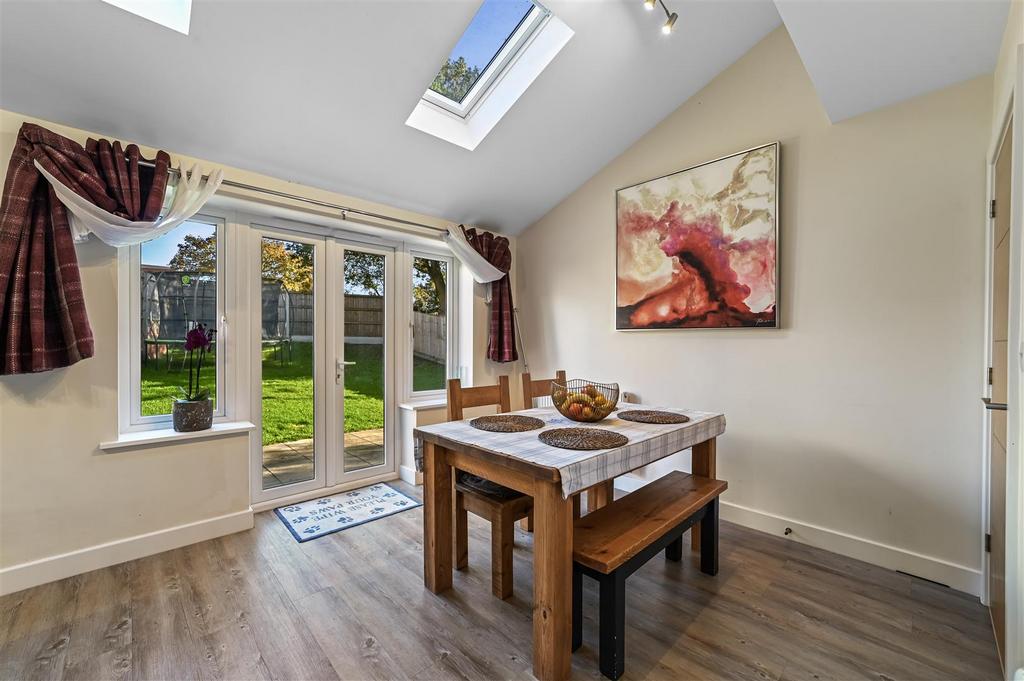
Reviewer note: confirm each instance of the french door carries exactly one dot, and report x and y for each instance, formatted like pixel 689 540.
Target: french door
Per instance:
pixel 323 361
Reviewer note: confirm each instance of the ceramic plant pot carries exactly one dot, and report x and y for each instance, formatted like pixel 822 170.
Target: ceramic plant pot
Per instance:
pixel 189 416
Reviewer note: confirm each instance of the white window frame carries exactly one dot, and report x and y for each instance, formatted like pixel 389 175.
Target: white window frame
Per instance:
pixel 451 322
pixel 130 332
pixel 515 44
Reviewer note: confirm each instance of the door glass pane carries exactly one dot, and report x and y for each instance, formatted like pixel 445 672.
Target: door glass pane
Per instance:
pixel 287 362
pixel 429 324
pixel 364 360
pixel 179 290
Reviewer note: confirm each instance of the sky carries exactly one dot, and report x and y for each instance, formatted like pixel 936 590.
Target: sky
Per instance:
pixel 160 251
pixel 493 24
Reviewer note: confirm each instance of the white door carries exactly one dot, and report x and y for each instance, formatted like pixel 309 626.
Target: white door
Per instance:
pixel 323 367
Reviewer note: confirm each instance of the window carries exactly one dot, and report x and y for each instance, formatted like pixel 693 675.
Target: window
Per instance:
pixel 431 319
pixel 173 14
pixel 498 31
pixel 178 285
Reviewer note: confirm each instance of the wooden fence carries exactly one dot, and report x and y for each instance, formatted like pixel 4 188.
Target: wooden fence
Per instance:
pixel 430 336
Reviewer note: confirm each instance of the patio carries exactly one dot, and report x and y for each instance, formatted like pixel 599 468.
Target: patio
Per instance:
pixel 285 463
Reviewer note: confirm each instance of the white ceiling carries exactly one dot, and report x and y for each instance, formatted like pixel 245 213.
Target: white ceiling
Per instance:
pixel 865 54
pixel 318 92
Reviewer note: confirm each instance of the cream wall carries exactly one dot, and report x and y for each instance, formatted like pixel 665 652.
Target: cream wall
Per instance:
pixel 857 424
pixel 59 493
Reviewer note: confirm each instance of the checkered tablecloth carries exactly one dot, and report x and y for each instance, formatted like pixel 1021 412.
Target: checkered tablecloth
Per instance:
pixel 579 470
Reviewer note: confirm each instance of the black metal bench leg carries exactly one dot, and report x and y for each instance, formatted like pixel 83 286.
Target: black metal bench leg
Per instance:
pixel 709 539
pixel 674 551
pixel 613 624
pixel 577 607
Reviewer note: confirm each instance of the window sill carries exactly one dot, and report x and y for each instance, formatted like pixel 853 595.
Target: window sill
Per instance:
pixel 420 405
pixel 147 438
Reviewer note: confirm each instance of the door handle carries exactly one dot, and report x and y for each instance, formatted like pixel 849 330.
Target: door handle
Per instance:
pixel 339 369
pixel 993 406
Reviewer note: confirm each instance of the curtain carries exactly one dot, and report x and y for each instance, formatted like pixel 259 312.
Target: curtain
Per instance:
pixel 483 272
pixel 501 341
pixel 43 319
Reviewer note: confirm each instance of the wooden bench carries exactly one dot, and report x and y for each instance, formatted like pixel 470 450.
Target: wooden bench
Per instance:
pixel 613 542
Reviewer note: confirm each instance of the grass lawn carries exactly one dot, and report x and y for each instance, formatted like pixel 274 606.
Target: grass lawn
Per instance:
pixel 288 390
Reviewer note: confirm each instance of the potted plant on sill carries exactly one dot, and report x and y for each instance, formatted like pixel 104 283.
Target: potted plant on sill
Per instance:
pixel 195 410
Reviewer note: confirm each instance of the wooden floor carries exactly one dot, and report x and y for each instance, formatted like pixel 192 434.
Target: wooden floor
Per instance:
pixel 352 605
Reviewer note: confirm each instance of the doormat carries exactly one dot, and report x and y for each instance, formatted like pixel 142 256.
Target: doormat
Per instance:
pixel 317 517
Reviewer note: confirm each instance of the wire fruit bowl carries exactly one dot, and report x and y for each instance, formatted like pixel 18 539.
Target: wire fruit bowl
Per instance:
pixel 585 401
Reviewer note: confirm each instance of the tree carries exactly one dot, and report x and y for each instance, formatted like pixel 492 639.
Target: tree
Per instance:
pixel 364 273
pixel 430 286
pixel 455 79
pixel 196 254
pixel 289 263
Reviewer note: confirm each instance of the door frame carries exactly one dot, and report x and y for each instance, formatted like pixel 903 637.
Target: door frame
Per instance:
pixel 258 229
pixel 1011 109
pixel 336 247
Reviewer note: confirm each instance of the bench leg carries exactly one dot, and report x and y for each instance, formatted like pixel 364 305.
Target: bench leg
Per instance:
pixel 503 530
pixel 613 625
pixel 577 608
pixel 526 524
pixel 461 533
pixel 709 539
pixel 674 551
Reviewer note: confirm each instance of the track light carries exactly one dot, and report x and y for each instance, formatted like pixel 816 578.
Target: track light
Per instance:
pixel 649 4
pixel 669 23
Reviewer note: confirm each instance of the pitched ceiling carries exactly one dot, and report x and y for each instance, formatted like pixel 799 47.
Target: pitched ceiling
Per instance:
pixel 318 92
pixel 865 54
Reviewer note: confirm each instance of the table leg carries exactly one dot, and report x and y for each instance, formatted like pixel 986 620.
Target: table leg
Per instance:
pixel 552 583
pixel 600 495
pixel 703 464
pixel 437 519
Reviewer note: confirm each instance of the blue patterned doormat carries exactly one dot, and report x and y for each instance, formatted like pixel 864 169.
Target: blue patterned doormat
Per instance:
pixel 317 517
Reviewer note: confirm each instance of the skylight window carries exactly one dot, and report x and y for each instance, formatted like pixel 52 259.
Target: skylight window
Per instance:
pixel 173 14
pixel 498 32
pixel 503 50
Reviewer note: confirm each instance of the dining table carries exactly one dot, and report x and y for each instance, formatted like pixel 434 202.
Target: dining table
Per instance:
pixel 552 476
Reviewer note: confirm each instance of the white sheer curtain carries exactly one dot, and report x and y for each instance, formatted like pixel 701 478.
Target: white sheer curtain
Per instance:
pixel 483 272
pixel 190 194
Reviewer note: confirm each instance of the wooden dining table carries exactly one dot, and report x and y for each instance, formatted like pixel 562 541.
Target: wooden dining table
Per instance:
pixel 552 476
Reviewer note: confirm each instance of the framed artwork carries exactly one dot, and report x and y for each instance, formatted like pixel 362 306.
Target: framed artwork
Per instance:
pixel 698 249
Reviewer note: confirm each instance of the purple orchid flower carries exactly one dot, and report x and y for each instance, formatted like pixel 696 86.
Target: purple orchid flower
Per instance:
pixel 198 338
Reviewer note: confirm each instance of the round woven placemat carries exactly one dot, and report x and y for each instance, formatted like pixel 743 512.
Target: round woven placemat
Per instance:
pixel 652 416
pixel 582 438
pixel 506 423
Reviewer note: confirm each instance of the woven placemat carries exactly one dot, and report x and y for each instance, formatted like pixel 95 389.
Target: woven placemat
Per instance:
pixel 582 438
pixel 652 416
pixel 506 423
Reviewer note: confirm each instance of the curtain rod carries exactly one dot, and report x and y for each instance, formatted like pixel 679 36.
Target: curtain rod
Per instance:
pixel 316 202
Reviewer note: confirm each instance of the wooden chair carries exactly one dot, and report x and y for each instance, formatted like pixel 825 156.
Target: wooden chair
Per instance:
pixel 500 505
pixel 539 388
pixel 613 542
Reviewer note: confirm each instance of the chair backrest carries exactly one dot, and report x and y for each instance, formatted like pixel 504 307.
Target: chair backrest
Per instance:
pixel 460 398
pixel 540 387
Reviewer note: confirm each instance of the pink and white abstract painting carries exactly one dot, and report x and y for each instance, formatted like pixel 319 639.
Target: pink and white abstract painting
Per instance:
pixel 699 248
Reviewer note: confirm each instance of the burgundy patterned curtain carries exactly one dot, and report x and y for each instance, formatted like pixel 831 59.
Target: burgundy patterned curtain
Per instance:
pixel 43 320
pixel 501 342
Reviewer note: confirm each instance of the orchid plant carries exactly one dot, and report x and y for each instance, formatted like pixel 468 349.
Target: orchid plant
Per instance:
pixel 198 339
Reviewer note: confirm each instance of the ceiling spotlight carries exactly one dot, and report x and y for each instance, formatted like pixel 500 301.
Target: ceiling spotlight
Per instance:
pixel 649 4
pixel 669 23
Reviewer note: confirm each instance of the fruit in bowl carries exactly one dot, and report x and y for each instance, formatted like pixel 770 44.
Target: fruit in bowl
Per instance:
pixel 586 401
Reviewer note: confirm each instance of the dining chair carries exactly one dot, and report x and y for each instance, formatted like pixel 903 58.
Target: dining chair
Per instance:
pixel 540 387
pixel 493 502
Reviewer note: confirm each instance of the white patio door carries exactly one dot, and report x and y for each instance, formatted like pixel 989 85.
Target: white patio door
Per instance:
pixel 323 367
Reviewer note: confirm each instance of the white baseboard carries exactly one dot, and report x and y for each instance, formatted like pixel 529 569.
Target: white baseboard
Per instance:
pixel 52 568
pixel 959 577
pixel 410 475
